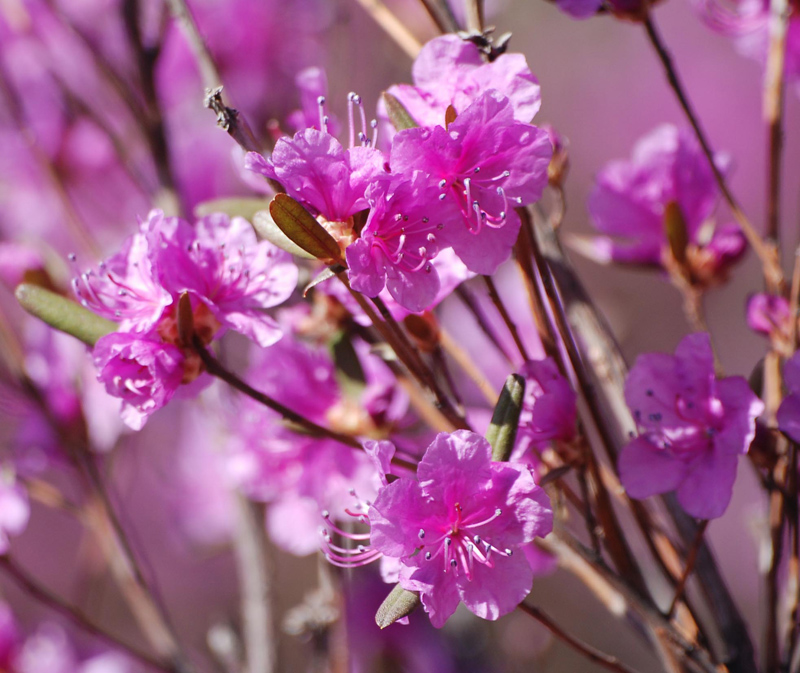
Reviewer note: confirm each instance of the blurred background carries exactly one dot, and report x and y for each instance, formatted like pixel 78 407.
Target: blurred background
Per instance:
pixel 602 88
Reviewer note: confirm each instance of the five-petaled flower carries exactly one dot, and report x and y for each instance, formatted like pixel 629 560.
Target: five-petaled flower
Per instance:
pixel 692 428
pixel 456 527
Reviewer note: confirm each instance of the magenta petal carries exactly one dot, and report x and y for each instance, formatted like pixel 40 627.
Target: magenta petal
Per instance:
pixel 365 275
pixel 439 592
pixel 646 470
pixel 397 515
pixel 494 592
pixel 415 290
pixel 457 462
pixel 706 491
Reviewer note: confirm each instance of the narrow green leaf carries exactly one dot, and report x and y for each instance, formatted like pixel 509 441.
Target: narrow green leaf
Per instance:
pixel 677 235
pixel 303 230
pixel 400 117
pixel 267 229
pixel 398 604
pixel 63 314
pixel 322 276
pixel 233 207
pixel 502 430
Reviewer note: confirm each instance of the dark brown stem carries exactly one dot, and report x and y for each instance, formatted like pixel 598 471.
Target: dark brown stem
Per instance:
pixel 591 653
pixel 691 557
pixel 773 274
pixel 773 111
pixel 500 306
pixel 40 593
pixel 777 527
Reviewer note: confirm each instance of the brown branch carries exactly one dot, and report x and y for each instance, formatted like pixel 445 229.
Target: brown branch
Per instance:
pixel 216 369
pixel 40 593
pixel 442 15
pixel 591 653
pixel 773 111
pixel 773 274
pixel 691 557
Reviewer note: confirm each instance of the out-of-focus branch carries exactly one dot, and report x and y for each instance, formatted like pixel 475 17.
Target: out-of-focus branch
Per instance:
pixel 229 119
pixel 442 15
pixel 393 27
pixel 773 111
pixel 40 593
pixel 255 577
pixel 591 653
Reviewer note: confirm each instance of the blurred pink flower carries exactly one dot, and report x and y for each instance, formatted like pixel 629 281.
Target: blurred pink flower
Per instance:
pixel 692 428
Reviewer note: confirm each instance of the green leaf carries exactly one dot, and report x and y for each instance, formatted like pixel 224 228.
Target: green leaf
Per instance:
pixel 233 207
pixel 322 276
pixel 303 230
pixel 502 430
pixel 63 314
pixel 398 604
pixel 400 117
pixel 267 229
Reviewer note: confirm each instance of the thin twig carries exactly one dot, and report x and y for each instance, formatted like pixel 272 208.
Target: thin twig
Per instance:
pixel 773 274
pixel 442 15
pixel 40 593
pixel 501 307
pixel 215 368
pixel 691 557
pixel 591 653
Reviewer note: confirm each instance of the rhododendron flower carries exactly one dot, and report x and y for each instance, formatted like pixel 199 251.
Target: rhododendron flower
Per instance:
pixel 692 428
pixel 144 372
pixel 225 270
pixel 631 197
pixel 230 276
pixel 548 408
pixel 485 165
pixel 398 243
pixel 457 526
pixel 789 411
pixel 451 71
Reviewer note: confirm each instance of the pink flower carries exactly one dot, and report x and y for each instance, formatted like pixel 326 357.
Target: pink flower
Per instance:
pixel 451 71
pixel 230 276
pixel 222 266
pixel 548 411
pixel 485 164
pixel 457 526
pixel 399 242
pixel 692 428
pixel 630 199
pixel 143 371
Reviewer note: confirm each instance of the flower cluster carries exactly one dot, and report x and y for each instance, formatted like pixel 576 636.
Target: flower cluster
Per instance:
pixel 228 277
pixel 448 183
